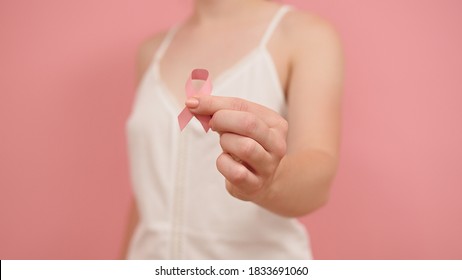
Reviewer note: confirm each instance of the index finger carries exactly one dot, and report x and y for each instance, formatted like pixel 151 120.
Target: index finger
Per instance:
pixel 209 105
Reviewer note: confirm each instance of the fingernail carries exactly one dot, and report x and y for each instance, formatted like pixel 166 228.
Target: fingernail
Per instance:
pixel 192 102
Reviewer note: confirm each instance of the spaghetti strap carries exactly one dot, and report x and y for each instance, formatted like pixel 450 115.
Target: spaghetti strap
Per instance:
pixel 165 43
pixel 273 24
pixel 162 49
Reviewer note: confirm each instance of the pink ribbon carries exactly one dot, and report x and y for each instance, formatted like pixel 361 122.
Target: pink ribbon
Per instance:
pixel 185 116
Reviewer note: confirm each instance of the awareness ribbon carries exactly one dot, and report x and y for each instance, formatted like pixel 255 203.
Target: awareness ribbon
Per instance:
pixel 185 116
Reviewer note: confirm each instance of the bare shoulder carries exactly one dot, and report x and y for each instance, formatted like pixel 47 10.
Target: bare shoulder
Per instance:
pixel 306 30
pixel 316 55
pixel 146 50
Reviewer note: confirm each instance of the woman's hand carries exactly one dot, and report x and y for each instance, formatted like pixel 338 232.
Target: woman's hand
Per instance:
pixel 286 172
pixel 253 139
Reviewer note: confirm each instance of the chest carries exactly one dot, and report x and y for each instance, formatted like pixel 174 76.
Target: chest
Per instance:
pixel 221 53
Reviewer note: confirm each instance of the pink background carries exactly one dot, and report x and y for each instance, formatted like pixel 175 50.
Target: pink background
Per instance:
pixel 66 88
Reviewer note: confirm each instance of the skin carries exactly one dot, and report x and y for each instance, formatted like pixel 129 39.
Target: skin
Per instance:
pixel 283 165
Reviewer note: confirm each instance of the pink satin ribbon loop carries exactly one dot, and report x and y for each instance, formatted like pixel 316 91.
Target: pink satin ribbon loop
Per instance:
pixel 185 116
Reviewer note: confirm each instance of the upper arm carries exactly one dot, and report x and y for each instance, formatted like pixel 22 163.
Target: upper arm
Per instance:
pixel 145 54
pixel 315 86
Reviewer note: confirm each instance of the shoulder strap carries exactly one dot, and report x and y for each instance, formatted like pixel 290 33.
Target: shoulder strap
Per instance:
pixel 165 43
pixel 273 24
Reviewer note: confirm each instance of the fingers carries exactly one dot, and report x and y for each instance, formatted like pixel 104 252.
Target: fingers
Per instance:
pixel 238 175
pixel 253 139
pixel 242 123
pixel 250 125
pixel 209 105
pixel 243 117
pixel 248 152
pixel 246 165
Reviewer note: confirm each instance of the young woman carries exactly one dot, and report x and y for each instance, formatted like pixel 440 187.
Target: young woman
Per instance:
pixel 235 192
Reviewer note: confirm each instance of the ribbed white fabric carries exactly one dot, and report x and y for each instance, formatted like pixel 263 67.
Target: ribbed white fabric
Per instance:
pixel 185 210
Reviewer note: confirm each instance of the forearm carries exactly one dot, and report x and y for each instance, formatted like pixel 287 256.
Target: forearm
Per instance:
pixel 301 184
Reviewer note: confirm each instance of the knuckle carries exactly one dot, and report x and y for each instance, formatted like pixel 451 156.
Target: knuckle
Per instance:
pixel 248 147
pixel 250 124
pixel 280 148
pixel 218 114
pixel 239 175
pixel 257 187
pixel 239 104
pixel 209 102
pixel 216 119
pixel 284 126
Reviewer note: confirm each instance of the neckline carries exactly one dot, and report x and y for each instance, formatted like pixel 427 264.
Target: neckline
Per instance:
pixel 217 82
pixel 226 74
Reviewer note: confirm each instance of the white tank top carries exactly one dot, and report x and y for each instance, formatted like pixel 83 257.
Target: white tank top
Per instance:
pixel 185 210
